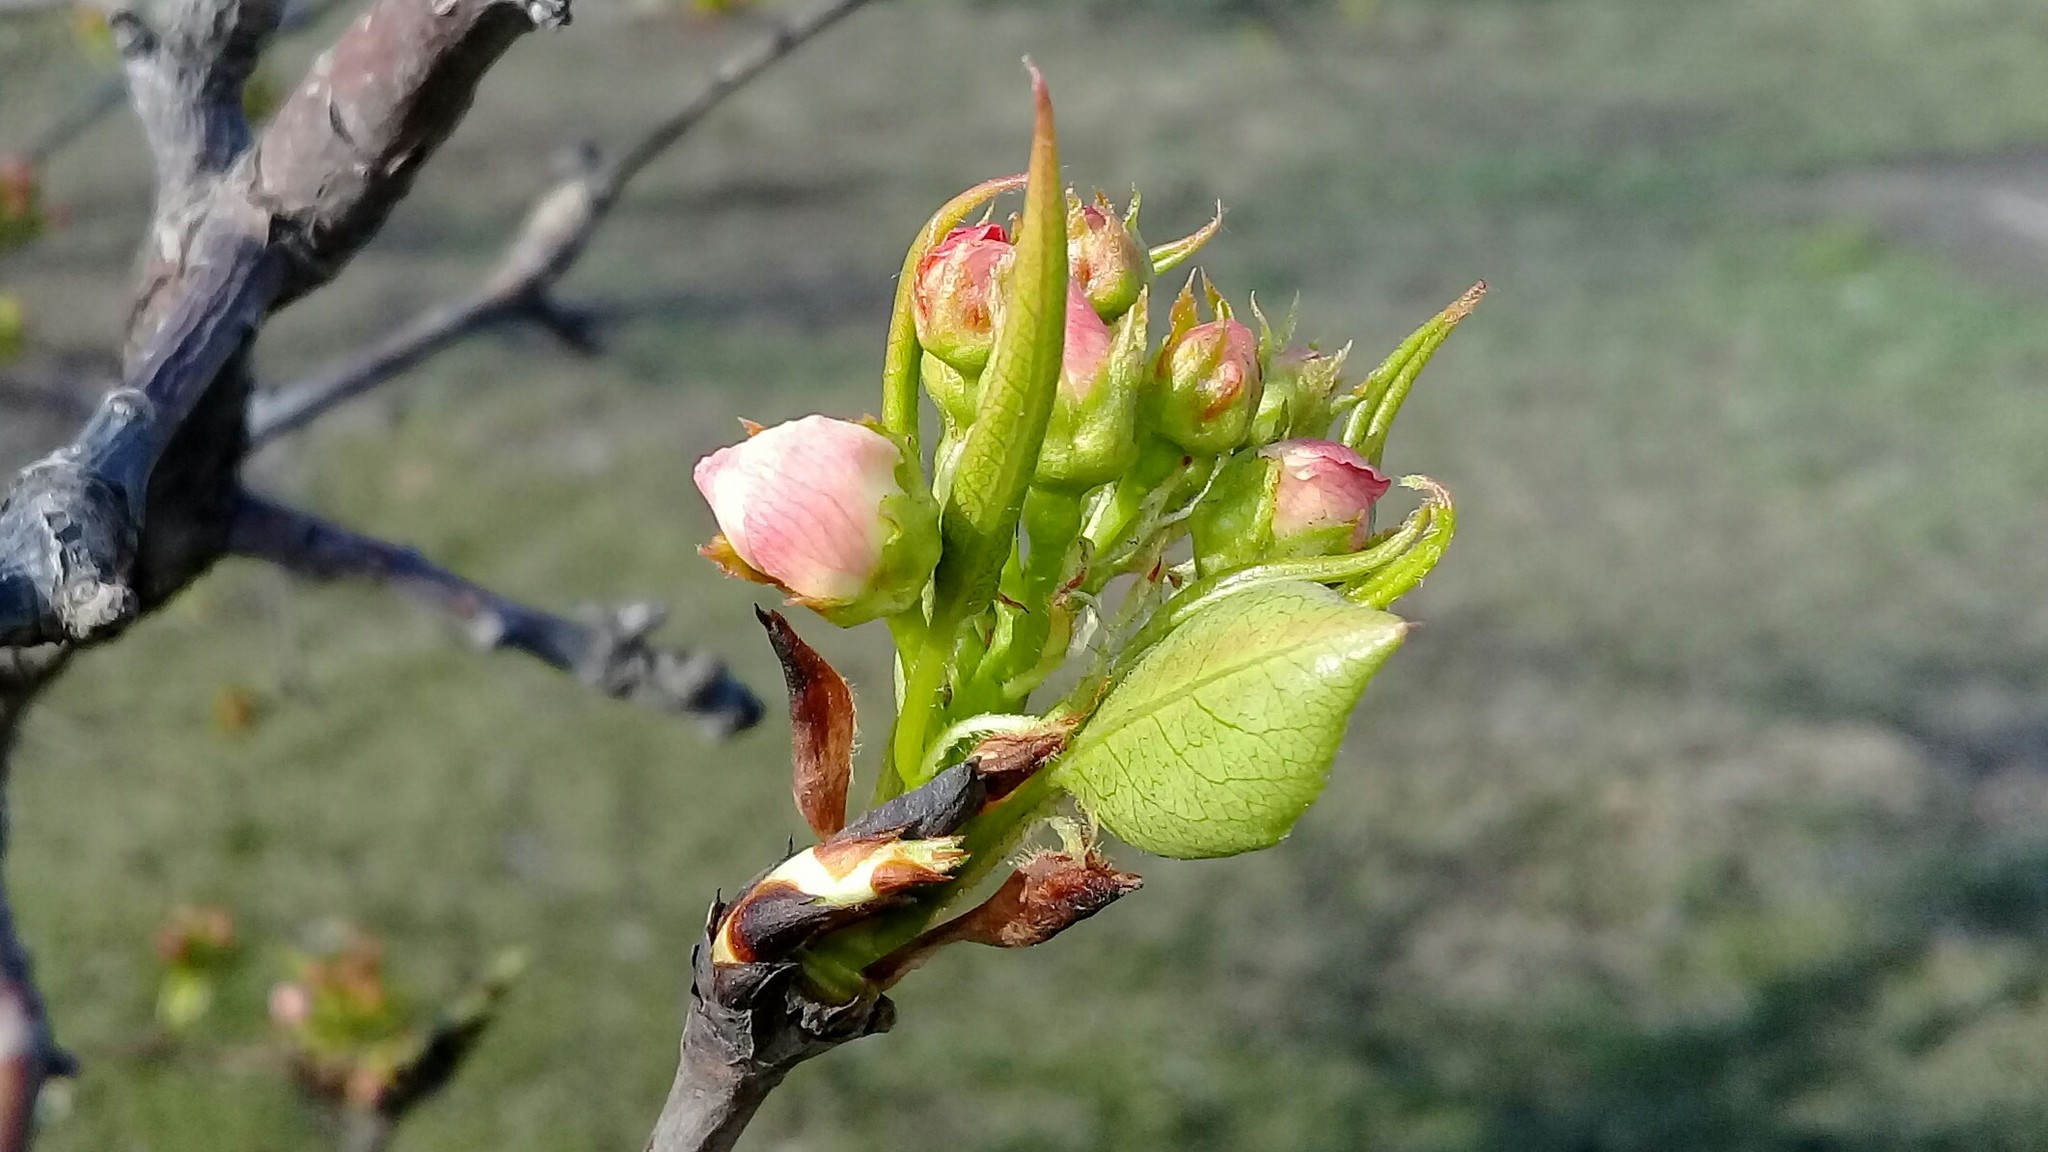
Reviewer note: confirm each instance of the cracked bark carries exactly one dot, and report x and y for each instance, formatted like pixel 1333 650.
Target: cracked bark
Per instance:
pixel 747 1027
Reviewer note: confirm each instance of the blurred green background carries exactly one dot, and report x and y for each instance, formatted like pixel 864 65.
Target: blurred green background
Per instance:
pixel 1708 809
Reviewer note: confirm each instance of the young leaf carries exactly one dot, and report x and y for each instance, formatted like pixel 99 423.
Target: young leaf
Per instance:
pixel 996 460
pixel 1222 735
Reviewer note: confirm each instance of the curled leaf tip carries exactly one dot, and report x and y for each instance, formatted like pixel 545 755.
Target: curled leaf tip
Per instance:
pixel 1432 491
pixel 822 725
pixel 1463 305
pixel 1167 257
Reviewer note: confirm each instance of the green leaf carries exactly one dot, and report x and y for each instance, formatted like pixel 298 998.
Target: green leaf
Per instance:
pixel 1222 735
pixel 12 327
pixel 184 997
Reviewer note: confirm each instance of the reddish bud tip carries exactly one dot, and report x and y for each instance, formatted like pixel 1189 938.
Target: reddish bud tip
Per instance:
pixel 957 299
pixel 1209 387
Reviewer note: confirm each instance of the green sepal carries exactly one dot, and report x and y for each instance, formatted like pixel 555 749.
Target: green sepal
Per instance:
pixel 909 552
pixel 1405 574
pixel 1233 525
pixel 1380 395
pixel 1298 398
pixel 1167 257
pixel 954 393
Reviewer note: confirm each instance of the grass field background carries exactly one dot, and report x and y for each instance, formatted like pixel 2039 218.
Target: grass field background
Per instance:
pixel 1708 809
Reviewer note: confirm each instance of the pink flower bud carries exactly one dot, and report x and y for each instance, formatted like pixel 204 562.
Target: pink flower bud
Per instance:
pixel 826 510
pixel 1084 366
pixel 1108 263
pixel 1209 387
pixel 1294 499
pixel 958 296
pixel 1322 484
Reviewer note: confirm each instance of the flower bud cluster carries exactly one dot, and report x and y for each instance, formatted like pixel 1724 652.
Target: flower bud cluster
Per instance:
pixel 1088 434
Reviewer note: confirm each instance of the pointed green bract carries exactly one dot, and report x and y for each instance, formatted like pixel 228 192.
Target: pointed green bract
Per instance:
pixel 1223 734
pixel 1167 257
pixel 1000 452
pixel 996 459
pixel 1386 387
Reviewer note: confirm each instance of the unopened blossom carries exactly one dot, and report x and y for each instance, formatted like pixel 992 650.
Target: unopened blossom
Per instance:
pixel 1092 435
pixel 1208 387
pixel 1084 363
pixel 958 298
pixel 821 508
pixel 1108 263
pixel 1293 499
pixel 1323 484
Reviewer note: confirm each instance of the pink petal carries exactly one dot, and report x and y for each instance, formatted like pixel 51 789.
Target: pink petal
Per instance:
pixel 1323 483
pixel 1087 346
pixel 802 502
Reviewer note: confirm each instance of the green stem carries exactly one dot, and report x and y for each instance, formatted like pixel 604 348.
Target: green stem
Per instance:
pixel 924 682
pixel 1157 461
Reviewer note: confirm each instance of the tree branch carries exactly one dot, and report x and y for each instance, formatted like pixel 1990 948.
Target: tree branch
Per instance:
pixel 341 151
pixel 557 229
pixel 611 656
pixel 748 1026
pixel 186 81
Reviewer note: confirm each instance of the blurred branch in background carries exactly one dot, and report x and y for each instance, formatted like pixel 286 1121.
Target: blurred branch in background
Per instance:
pixel 556 231
pixel 148 496
pixel 611 655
